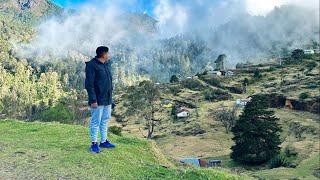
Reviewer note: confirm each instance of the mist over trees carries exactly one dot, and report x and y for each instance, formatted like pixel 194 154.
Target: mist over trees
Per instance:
pixel 43 49
pixel 140 46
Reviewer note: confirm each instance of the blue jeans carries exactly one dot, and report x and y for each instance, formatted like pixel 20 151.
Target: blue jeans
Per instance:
pixel 100 117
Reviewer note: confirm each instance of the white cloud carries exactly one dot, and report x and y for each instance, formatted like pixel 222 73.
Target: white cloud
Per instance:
pixel 173 16
pixel 262 7
pixel 182 16
pixel 93 26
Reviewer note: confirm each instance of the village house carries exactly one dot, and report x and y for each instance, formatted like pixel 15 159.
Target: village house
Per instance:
pixel 242 102
pixel 194 162
pixel 308 51
pixel 197 162
pixel 229 73
pixel 216 73
pixel 183 112
pixel 219 71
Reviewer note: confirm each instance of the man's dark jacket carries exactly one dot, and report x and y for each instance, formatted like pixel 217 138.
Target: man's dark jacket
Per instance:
pixel 98 82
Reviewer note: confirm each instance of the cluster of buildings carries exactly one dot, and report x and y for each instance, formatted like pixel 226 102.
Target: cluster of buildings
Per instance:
pixel 198 162
pixel 220 69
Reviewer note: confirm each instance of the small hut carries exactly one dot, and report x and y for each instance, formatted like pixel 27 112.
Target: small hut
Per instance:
pixel 183 112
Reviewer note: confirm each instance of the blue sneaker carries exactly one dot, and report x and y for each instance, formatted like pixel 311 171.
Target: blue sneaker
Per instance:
pixel 107 144
pixel 95 148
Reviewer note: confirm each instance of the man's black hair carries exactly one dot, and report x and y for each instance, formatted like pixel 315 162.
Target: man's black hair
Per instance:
pixel 101 50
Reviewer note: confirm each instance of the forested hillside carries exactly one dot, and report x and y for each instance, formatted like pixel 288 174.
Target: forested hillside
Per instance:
pixel 27 86
pixel 36 82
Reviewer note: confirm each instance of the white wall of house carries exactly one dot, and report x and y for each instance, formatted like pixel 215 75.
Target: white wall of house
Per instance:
pixel 308 51
pixel 229 73
pixel 183 114
pixel 217 73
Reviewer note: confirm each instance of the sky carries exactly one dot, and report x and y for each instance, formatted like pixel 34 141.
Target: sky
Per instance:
pixel 254 7
pixel 146 6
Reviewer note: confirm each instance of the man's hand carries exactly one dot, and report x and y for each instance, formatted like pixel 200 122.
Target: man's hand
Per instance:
pixel 94 105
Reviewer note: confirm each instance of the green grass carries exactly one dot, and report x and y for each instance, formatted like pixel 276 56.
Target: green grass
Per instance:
pixel 307 159
pixel 304 171
pixel 55 151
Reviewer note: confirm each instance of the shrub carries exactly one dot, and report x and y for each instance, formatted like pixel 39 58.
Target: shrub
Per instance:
pixel 316 172
pixel 227 117
pixel 278 161
pixel 257 74
pixel 304 95
pixel 192 129
pixel 290 151
pixel 312 86
pixel 245 82
pixel 212 81
pixel 271 69
pixel 1 106
pixel 308 56
pixel 217 94
pixel 272 78
pixel 297 54
pixel 199 75
pixel 236 89
pixel 59 113
pixel 297 129
pixel 192 84
pixel 204 73
pixel 311 65
pixel 174 79
pixel 174 110
pixel 175 90
pixel 115 130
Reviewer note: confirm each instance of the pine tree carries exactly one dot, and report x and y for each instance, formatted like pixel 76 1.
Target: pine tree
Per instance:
pixel 256 134
pixel 174 79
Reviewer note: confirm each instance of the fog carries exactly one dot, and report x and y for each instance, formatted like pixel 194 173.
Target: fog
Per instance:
pixel 242 29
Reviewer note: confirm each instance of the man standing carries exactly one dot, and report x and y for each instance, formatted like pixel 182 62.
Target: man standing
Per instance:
pixel 99 87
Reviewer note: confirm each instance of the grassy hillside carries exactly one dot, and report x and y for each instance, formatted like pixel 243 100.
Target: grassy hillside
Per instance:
pixel 55 151
pixel 307 149
pixel 202 135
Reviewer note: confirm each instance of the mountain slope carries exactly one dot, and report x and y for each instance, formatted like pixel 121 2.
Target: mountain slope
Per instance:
pixel 287 27
pixel 37 7
pixel 28 11
pixel 51 150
